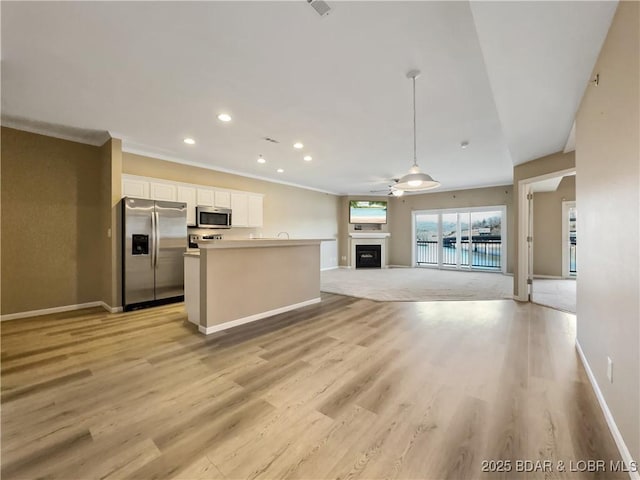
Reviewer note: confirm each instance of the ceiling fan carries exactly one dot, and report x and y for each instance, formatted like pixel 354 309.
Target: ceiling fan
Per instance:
pixel 391 189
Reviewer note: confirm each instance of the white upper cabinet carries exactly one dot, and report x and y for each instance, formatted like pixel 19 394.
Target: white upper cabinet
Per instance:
pixel 222 199
pixel 239 209
pixel 246 207
pixel 255 210
pixel 132 187
pixel 164 191
pixel 188 195
pixel 205 197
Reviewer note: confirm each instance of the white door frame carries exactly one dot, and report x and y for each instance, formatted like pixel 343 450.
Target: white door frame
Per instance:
pixel 524 187
pixel 566 205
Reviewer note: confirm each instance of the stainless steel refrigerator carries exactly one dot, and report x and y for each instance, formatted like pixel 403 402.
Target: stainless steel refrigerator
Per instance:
pixel 154 238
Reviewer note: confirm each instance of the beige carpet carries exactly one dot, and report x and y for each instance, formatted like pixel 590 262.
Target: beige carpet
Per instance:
pixel 559 294
pixel 417 284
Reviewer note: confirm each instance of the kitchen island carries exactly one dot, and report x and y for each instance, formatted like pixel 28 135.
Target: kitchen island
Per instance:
pixel 232 282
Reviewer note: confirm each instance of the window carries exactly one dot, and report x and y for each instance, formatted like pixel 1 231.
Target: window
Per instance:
pixel 472 238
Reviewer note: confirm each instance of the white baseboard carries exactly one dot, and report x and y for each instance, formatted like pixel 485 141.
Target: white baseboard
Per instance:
pixel 554 277
pixel 617 436
pixel 47 311
pixel 64 308
pixel 257 316
pixel 335 267
pixel 111 309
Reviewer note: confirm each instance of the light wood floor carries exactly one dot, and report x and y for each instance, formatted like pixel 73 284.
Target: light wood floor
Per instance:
pixel 348 388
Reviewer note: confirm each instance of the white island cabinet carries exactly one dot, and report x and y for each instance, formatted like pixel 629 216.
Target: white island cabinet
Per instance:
pixel 241 281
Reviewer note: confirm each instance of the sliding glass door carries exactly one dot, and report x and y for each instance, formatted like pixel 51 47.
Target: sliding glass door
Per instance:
pixel 427 234
pixel 450 240
pixel 461 239
pixel 486 239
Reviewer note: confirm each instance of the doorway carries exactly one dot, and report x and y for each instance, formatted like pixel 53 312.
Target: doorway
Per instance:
pixel 547 240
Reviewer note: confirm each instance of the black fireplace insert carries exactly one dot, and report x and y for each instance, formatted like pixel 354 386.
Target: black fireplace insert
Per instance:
pixel 368 256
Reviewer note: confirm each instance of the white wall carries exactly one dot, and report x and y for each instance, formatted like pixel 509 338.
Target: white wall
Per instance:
pixel 607 194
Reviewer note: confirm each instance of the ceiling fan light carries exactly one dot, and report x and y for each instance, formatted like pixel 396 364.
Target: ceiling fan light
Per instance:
pixel 416 182
pixel 396 192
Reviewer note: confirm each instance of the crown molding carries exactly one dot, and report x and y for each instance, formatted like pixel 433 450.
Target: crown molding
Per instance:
pixel 73 134
pixel 137 150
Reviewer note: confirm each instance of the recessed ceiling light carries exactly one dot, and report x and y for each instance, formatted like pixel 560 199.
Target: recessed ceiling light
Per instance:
pixel 464 144
pixel 189 141
pixel 261 159
pixel 280 170
pixel 224 117
pixel 307 158
pixel 298 145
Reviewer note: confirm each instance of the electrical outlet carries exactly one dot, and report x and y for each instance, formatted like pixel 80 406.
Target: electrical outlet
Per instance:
pixel 344 258
pixel 610 369
pixel 108 233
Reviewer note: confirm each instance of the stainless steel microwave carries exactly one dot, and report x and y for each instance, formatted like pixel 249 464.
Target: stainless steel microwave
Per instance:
pixel 212 217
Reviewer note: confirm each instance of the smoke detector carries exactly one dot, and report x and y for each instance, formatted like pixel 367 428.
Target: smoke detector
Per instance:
pixel 320 6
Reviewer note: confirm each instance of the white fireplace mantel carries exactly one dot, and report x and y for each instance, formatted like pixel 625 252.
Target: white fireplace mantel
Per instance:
pixel 369 235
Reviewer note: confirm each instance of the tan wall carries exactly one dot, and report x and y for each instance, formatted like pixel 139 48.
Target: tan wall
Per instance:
pixel 343 231
pixel 300 212
pixel 51 254
pixel 607 158
pixel 555 162
pixel 401 211
pixel 110 194
pixel 547 227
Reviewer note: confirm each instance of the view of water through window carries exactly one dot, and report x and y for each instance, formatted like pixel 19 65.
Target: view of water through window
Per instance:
pixel 462 239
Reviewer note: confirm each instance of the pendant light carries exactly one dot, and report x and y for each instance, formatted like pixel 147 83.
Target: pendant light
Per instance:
pixel 415 181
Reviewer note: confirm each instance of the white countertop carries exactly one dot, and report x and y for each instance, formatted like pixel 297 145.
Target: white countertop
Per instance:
pixel 253 243
pixel 261 242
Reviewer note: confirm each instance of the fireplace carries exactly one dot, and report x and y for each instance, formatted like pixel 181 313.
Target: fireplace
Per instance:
pixel 368 256
pixel 368 241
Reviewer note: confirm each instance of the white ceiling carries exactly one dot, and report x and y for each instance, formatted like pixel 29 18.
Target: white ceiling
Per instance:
pixel 548 185
pixel 505 76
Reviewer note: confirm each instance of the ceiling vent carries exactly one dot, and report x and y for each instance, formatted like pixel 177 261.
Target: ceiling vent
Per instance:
pixel 320 6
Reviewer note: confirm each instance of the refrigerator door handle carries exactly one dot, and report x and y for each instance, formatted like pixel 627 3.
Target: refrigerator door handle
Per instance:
pixel 153 239
pixel 156 243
